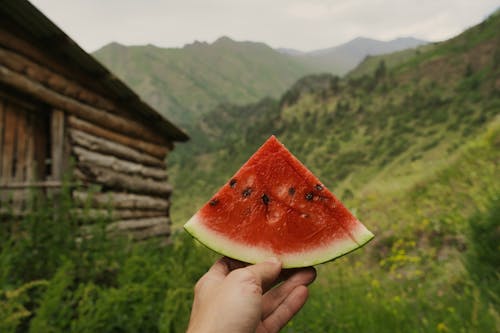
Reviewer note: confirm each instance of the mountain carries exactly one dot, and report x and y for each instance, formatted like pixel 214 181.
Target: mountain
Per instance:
pixel 345 57
pixel 183 83
pixel 370 63
pixel 381 135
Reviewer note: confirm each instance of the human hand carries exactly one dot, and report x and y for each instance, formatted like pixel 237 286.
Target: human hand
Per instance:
pixel 232 297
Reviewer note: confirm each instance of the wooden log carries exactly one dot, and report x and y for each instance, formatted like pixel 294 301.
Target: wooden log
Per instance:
pixel 51 79
pixel 155 231
pixel 138 224
pixel 39 55
pixel 21 143
pixel 138 229
pixel 157 151
pixel 3 104
pixel 107 161
pixel 57 145
pixel 105 146
pixel 30 150
pixel 119 181
pixel 8 143
pixel 84 111
pixel 91 215
pixel 30 184
pixel 118 200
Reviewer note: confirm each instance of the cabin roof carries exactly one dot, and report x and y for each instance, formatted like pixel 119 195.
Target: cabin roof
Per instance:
pixel 23 19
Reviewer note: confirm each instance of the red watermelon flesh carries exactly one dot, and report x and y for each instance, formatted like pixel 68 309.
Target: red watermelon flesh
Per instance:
pixel 275 206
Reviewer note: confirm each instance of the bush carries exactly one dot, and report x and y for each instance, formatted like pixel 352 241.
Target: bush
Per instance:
pixel 483 255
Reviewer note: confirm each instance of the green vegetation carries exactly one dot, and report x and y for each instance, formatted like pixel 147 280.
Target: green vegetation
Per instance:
pixel 374 133
pixel 412 147
pixel 185 83
pixel 370 63
pixel 423 276
pixel 57 278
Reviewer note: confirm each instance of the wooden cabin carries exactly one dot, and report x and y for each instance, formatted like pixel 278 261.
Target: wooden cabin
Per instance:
pixel 62 112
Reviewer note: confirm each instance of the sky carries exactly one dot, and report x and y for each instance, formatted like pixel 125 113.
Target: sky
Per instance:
pixel 299 24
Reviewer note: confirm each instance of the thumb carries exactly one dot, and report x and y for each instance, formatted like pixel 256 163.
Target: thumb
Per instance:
pixel 266 272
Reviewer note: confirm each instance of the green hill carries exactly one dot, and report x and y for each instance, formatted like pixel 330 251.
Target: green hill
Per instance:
pixel 382 132
pixel 370 63
pixel 184 83
pixel 340 59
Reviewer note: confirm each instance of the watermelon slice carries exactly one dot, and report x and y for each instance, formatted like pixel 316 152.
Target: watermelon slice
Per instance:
pixel 275 206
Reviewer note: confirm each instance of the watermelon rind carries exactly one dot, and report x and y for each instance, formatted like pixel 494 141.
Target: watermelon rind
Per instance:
pixel 360 235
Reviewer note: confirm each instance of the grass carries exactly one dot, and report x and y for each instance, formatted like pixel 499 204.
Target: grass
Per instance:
pixel 436 272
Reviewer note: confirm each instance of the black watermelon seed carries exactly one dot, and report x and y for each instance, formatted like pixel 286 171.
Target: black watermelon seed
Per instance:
pixel 291 191
pixel 265 199
pixel 214 202
pixel 309 196
pixel 246 192
pixel 232 183
pixel 318 187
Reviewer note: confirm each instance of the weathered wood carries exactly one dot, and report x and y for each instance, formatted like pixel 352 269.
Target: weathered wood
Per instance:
pixel 19 158
pixel 21 142
pixel 57 133
pixel 90 113
pixel 138 224
pixel 119 200
pixel 138 229
pixel 41 134
pixel 30 150
pixel 119 181
pixel 155 231
pixel 26 185
pixel 39 55
pixel 87 216
pixel 88 157
pixel 2 128
pixel 59 83
pixel 8 143
pixel 156 150
pixel 105 146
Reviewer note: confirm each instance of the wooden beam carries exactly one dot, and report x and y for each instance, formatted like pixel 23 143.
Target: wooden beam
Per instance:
pixel 157 151
pixel 113 163
pixel 3 105
pixel 138 223
pixel 120 181
pixel 109 147
pixel 138 229
pixel 88 216
pixel 53 80
pixel 57 135
pixel 155 231
pixel 26 185
pixel 8 143
pixel 84 111
pixel 120 200
pixel 38 55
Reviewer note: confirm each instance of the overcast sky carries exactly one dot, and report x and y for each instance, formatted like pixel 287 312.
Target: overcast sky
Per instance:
pixel 300 24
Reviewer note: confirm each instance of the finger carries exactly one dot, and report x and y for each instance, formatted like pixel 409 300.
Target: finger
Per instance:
pixel 285 311
pixel 266 272
pixel 234 264
pixel 274 297
pixel 220 268
pixel 289 272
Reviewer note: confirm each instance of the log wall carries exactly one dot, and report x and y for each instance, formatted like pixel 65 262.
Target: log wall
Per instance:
pixel 112 151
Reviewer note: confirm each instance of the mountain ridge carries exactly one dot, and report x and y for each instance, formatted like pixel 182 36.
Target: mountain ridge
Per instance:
pixel 359 133
pixel 184 83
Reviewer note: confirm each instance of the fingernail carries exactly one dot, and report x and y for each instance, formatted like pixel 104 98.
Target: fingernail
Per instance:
pixel 273 260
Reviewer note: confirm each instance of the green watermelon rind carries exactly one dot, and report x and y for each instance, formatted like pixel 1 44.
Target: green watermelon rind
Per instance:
pixel 321 254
